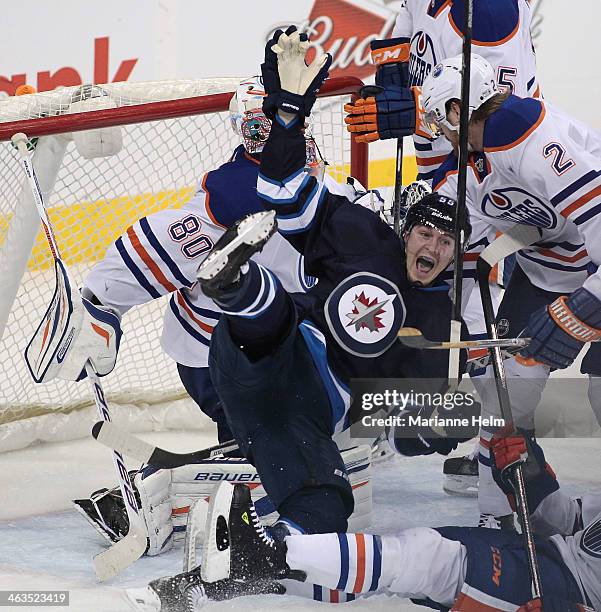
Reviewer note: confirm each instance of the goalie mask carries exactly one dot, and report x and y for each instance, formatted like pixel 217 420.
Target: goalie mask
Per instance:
pixel 246 114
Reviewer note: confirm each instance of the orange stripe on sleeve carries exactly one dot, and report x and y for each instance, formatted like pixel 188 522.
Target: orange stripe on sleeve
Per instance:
pixel 587 197
pixel 360 539
pixel 570 259
pixel 334 596
pixel 430 161
pixel 204 326
pixel 145 257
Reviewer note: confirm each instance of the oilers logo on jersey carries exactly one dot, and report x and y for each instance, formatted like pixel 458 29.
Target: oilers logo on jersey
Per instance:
pixel 364 314
pixel 519 206
pixel 421 59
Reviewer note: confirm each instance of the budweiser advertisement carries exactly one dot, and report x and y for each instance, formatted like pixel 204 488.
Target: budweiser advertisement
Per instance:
pixel 344 28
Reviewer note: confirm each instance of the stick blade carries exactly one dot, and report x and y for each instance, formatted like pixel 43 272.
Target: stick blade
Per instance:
pixel 115 559
pixel 115 438
pixel 413 338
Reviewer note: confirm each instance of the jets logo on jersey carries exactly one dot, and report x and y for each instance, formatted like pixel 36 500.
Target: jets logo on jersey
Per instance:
pixel 421 58
pixel 364 314
pixel 519 206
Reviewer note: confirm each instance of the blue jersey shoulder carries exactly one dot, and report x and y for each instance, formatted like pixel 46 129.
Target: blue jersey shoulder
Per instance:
pixel 232 189
pixel 493 20
pixel 515 119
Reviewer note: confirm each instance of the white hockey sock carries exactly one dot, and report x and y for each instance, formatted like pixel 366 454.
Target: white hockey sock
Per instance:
pixel 417 563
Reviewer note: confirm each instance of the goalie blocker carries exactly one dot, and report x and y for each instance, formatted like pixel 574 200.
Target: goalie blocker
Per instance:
pixel 73 331
pixel 165 497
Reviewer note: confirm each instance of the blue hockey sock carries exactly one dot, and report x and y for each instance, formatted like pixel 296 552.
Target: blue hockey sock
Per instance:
pixel 259 311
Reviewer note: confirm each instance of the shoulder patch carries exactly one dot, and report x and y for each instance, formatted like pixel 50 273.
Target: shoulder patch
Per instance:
pixel 512 123
pixel 493 22
pixel 231 190
pixel 364 313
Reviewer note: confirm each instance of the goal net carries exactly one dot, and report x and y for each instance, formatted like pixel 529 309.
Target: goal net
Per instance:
pixel 173 132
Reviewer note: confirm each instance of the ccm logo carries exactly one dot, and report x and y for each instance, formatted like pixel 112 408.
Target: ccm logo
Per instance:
pixel 216 476
pixel 399 53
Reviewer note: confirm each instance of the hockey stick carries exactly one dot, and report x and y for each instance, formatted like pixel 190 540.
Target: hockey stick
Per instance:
pixel 110 435
pixel 455 330
pixel 122 554
pixel 518 237
pixel 398 185
pixel 412 337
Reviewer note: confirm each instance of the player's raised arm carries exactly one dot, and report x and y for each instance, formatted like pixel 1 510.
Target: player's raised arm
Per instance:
pixel 291 86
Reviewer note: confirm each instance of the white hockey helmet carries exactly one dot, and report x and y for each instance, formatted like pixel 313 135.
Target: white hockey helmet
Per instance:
pixel 444 84
pixel 246 114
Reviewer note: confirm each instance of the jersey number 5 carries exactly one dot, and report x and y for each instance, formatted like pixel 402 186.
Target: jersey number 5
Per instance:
pixel 558 154
pixel 187 230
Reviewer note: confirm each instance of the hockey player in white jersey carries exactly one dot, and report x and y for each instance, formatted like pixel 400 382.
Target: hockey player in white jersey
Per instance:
pixel 530 164
pixel 425 33
pixel 463 569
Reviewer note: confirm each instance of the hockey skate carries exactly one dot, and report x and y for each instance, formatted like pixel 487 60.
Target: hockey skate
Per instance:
pixel 461 476
pixel 240 242
pixel 106 512
pixel 236 543
pixel 187 592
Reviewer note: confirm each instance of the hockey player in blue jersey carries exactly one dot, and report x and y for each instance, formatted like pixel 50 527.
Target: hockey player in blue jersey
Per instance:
pixel 463 569
pixel 282 366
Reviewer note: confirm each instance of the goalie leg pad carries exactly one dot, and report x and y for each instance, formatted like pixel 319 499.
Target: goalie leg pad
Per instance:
pixel 153 487
pixel 286 430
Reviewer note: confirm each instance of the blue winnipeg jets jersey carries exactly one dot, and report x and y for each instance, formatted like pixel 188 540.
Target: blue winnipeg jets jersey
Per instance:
pixel 363 297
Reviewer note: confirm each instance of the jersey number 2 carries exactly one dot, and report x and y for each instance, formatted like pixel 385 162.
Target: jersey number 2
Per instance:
pixel 558 153
pixel 187 229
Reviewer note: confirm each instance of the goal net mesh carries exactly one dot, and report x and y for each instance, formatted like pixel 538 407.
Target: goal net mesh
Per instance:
pixel 91 203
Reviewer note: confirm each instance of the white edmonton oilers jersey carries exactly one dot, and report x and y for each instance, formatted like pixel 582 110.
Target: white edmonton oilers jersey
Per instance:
pixel 161 253
pixel 501 34
pixel 540 167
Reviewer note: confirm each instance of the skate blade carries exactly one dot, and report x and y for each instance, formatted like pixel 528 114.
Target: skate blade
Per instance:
pixel 251 231
pixel 216 557
pixel 461 486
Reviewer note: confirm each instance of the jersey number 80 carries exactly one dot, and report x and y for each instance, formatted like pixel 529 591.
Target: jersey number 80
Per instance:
pixel 187 230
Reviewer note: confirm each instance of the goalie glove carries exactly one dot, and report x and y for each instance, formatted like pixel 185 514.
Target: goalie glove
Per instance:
pixel 296 91
pixel 73 332
pixel 559 331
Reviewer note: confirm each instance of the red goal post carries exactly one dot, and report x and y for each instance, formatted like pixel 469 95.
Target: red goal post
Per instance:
pixel 173 132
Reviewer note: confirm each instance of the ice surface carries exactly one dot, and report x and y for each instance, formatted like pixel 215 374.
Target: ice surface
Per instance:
pixel 44 544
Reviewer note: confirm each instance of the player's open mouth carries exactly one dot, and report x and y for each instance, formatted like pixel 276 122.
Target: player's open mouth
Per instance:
pixel 424 264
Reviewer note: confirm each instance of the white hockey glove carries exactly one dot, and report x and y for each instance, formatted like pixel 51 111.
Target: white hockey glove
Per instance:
pixel 299 83
pixel 73 332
